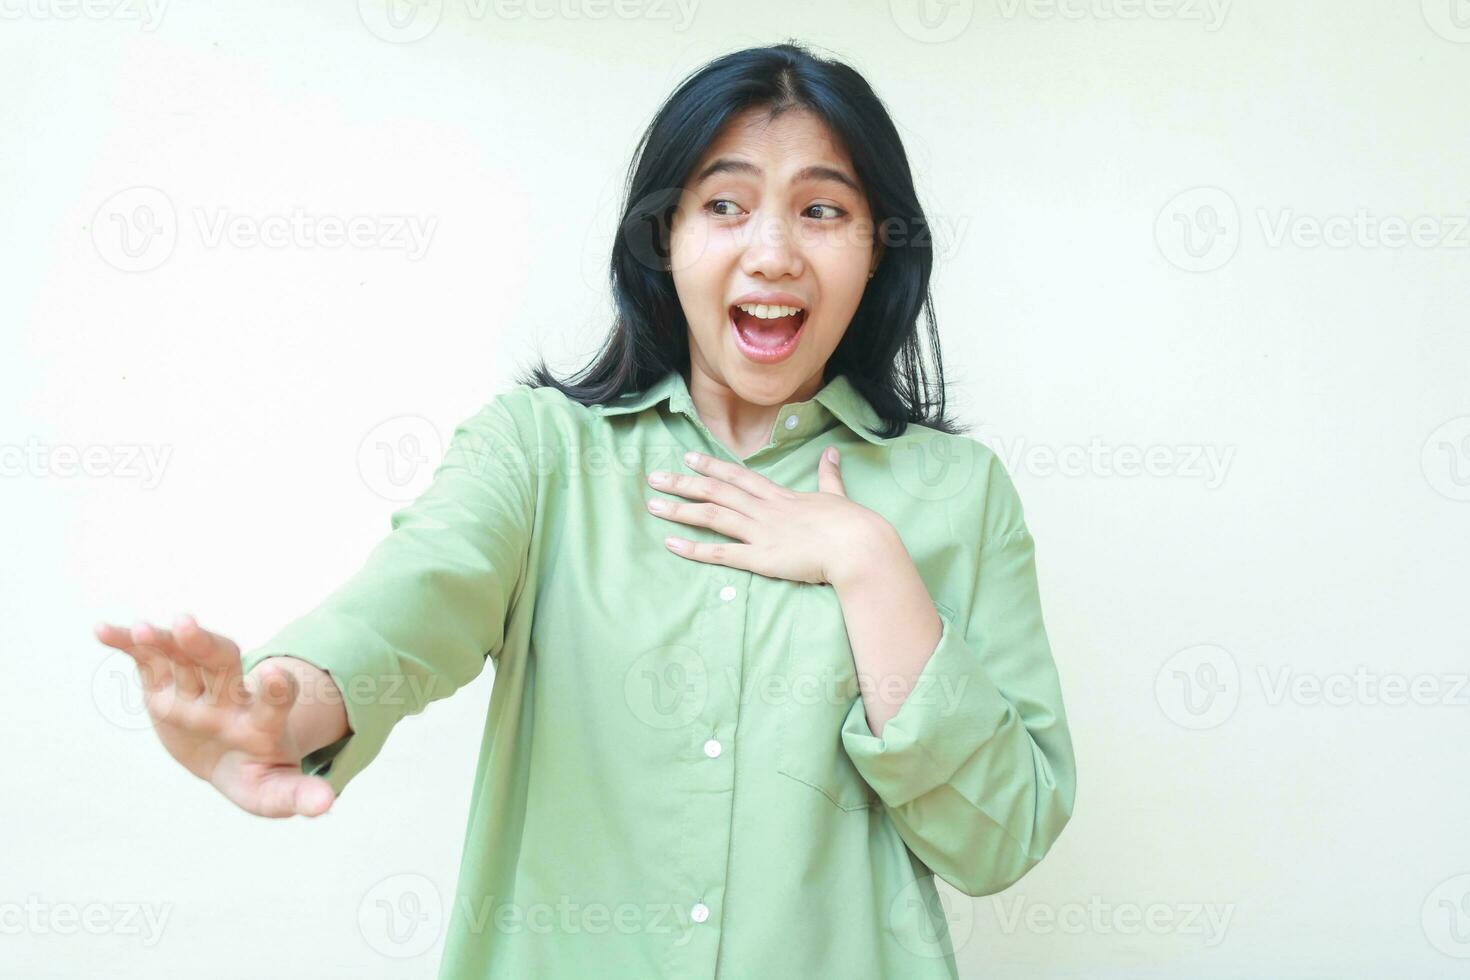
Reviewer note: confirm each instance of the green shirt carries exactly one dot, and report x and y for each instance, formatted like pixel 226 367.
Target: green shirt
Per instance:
pixel 676 775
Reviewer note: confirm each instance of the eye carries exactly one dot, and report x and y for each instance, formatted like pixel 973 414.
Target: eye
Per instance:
pixel 712 205
pixel 830 207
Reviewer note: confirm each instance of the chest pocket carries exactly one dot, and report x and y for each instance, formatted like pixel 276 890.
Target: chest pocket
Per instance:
pixel 821 684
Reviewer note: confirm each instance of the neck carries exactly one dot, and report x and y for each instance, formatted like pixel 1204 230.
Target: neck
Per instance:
pixel 742 426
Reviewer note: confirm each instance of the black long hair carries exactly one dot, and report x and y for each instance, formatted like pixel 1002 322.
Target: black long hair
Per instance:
pixel 880 352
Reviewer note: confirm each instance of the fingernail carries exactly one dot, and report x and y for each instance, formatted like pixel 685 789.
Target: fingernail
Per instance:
pixel 832 454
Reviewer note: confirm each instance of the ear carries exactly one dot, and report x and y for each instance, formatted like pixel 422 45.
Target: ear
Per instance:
pixel 829 473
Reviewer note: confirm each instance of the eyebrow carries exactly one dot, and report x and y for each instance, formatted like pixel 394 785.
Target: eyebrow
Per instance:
pixel 815 172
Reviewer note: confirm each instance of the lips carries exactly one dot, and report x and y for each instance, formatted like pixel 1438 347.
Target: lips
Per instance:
pixel 766 341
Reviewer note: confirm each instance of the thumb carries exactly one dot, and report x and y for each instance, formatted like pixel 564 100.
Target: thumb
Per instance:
pixel 282 790
pixel 312 796
pixel 829 475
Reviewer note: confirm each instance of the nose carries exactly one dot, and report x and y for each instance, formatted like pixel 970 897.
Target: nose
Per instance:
pixel 773 252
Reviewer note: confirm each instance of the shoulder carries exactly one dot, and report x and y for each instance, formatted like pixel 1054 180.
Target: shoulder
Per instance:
pixel 963 474
pixel 539 418
pixel 545 401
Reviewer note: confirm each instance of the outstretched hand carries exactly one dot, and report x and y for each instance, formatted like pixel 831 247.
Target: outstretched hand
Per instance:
pixel 226 728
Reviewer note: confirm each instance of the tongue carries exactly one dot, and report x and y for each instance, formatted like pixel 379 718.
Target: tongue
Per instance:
pixel 766 333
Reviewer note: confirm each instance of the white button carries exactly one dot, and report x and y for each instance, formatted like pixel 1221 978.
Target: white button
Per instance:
pixel 727 593
pixel 699 913
pixel 712 747
pixel 791 421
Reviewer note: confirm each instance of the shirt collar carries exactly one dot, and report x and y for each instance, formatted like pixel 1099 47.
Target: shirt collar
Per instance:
pixel 838 397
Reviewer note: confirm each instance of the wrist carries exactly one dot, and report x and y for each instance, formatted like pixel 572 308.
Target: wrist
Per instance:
pixel 317 715
pixel 865 552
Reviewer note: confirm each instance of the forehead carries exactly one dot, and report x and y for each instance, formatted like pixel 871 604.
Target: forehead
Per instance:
pixel 796 135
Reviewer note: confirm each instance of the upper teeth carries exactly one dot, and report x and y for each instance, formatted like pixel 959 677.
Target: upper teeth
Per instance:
pixel 768 312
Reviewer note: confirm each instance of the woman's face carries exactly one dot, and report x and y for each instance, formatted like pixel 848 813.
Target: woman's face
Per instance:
pixel 772 217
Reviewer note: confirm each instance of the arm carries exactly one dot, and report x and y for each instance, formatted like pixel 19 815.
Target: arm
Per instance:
pixel 417 621
pixel 891 623
pixel 973 758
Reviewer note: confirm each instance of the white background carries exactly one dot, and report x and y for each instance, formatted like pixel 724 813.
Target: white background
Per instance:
pixel 1126 196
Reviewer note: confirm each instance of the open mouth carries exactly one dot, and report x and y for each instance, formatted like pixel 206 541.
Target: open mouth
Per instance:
pixel 767 334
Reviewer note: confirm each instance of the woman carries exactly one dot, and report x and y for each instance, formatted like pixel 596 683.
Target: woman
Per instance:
pixel 747 701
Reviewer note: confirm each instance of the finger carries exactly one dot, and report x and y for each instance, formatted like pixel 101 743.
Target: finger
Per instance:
pixel 313 796
pixel 710 515
pixel 146 646
pixel 208 649
pixel 272 697
pixel 198 717
pixel 217 657
pixel 829 473
pixel 186 673
pixel 113 636
pixel 712 552
pixel 742 477
pixel 286 794
pixel 696 487
pixel 154 668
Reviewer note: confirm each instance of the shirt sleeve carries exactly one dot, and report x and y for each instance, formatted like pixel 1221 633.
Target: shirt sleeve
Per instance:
pixel 976 768
pixel 429 604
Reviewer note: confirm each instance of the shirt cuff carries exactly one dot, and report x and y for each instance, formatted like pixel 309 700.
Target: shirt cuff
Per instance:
pixel 953 709
pixel 370 714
